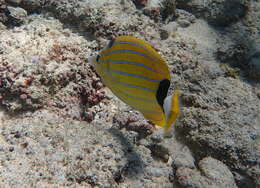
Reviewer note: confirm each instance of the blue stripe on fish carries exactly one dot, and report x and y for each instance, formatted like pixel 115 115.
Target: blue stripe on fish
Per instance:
pixel 134 75
pixel 137 87
pixel 157 120
pixel 129 51
pixel 131 63
pixel 139 98
pixel 125 51
pixel 128 42
pixel 150 112
pixel 135 63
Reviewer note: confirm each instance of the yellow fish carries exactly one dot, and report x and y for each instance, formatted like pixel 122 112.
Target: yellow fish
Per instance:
pixel 139 76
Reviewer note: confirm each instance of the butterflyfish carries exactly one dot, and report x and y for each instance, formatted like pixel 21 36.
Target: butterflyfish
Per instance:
pixel 139 76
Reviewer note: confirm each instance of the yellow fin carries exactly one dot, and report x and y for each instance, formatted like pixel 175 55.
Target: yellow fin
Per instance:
pixel 172 109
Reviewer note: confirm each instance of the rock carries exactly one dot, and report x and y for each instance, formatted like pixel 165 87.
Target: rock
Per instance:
pixel 160 10
pixel 210 124
pixel 195 6
pixel 213 130
pixel 157 138
pixel 225 12
pixel 159 152
pixel 243 181
pixel 184 159
pixel 2 26
pixel 169 9
pixel 2 2
pixel 133 122
pixel 254 61
pixel 254 66
pixel 15 2
pixel 140 3
pixel 168 30
pixel 212 174
pixel 17 15
pixel 156 172
pixel 164 34
pixel 183 22
pixel 244 56
pixel 33 5
pixel 20 92
pixel 184 18
pixel 216 12
pixel 77 166
pixel 217 171
pixel 234 55
pixel 3 16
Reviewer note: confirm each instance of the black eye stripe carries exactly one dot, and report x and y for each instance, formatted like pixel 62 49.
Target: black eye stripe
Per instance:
pixel 97 58
pixel 111 42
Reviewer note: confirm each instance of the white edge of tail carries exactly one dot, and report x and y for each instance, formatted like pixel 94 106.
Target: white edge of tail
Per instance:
pixel 167 106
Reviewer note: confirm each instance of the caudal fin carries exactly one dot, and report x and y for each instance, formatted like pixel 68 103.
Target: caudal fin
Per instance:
pixel 172 109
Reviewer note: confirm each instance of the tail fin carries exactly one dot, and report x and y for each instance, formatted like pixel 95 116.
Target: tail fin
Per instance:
pixel 172 109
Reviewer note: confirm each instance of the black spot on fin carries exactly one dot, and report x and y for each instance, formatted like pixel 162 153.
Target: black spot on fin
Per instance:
pixel 97 58
pixel 162 91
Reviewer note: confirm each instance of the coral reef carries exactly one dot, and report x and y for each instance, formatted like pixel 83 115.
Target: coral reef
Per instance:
pixel 61 127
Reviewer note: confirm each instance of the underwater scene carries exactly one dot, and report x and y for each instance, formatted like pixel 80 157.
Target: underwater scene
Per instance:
pixel 130 93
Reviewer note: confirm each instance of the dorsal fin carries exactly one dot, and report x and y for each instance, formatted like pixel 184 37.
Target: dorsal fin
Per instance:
pixel 162 91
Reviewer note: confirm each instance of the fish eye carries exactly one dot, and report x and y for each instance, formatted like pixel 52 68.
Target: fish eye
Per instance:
pixel 97 58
